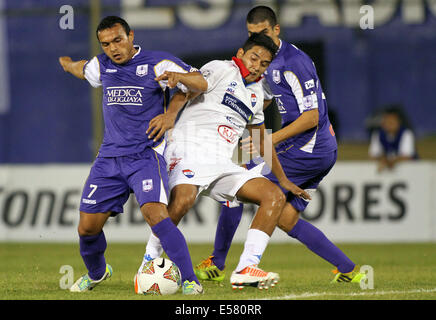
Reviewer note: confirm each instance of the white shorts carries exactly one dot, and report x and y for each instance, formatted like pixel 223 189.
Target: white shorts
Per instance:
pixel 220 181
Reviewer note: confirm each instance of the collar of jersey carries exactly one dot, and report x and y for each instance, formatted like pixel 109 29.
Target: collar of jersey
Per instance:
pixel 137 52
pixel 243 70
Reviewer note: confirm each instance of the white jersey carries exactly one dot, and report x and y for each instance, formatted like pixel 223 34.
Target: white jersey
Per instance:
pixel 210 125
pixel 202 142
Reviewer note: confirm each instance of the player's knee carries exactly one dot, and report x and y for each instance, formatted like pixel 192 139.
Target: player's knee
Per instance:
pixel 87 230
pixel 275 198
pixel 182 205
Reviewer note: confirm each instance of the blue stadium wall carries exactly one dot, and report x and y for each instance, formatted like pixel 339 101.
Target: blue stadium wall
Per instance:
pixel 49 119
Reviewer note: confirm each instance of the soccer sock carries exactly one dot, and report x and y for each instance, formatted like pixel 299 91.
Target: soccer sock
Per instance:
pixel 255 245
pixel 154 247
pixel 174 244
pixel 92 250
pixel 227 224
pixel 318 243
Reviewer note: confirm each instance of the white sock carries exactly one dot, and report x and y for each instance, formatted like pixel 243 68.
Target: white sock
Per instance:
pixel 154 248
pixel 255 245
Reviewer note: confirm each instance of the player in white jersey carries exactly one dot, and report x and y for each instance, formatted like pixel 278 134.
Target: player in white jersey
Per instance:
pixel 203 140
pixel 199 153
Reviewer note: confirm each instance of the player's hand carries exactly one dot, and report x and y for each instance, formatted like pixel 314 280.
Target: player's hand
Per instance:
pixel 65 62
pixel 248 146
pixel 173 78
pixel 296 190
pixel 159 125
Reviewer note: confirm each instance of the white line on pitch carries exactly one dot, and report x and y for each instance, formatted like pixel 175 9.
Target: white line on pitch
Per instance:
pixel 364 293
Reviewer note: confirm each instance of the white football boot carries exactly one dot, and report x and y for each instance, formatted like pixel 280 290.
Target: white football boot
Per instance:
pixel 253 276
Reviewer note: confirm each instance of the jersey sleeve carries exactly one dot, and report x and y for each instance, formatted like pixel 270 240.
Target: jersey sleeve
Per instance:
pixel 375 147
pixel 258 116
pixel 302 79
pixel 407 144
pixel 267 93
pixel 91 71
pixel 175 65
pixel 213 72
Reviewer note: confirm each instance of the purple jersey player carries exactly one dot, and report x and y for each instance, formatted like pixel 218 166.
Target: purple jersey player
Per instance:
pixel 305 145
pixel 128 161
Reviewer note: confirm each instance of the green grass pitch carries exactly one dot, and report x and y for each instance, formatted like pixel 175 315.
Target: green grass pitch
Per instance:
pixel 401 271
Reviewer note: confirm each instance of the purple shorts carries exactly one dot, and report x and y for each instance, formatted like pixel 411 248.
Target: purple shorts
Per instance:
pixel 304 169
pixel 112 179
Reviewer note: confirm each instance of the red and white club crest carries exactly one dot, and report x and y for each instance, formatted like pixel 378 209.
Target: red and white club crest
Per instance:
pixel 253 100
pixel 188 173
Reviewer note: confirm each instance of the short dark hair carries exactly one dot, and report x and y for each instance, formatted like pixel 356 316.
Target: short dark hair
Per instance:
pixel 260 39
pixel 110 21
pixel 260 14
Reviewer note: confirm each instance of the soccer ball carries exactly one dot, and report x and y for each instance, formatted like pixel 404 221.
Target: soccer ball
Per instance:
pixel 159 276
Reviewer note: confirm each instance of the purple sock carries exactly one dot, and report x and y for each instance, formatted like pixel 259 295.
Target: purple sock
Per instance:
pixel 174 244
pixel 227 224
pixel 318 243
pixel 92 250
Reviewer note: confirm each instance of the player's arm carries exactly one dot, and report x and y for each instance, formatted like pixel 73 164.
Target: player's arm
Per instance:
pixel 73 67
pixel 268 153
pixel 266 104
pixel 194 81
pixel 163 122
pixel 307 120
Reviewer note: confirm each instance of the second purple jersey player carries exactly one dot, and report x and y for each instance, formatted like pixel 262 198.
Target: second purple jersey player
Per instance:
pixel 305 145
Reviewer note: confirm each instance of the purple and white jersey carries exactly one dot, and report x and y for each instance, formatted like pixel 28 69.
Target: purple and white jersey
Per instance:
pixel 292 80
pixel 131 98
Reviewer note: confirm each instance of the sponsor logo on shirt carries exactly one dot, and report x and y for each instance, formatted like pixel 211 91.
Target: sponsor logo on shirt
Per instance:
pixel 188 173
pixel 233 122
pixel 238 106
pixel 206 73
pixel 89 201
pixel 231 87
pixel 280 105
pixel 309 84
pixel 230 90
pixel 111 70
pixel 147 185
pixel 229 134
pixel 142 70
pixel 124 95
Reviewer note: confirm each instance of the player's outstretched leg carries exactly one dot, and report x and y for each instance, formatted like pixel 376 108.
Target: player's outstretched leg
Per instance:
pixel 316 241
pixel 247 273
pixel 271 202
pixel 212 268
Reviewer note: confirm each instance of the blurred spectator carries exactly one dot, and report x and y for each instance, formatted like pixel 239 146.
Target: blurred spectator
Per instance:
pixel 393 141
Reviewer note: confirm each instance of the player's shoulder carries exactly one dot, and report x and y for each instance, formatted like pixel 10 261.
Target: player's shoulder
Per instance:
pixel 218 64
pixel 294 57
pixel 155 56
pixel 102 58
